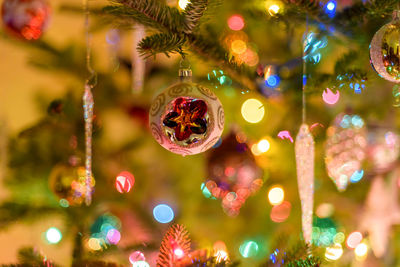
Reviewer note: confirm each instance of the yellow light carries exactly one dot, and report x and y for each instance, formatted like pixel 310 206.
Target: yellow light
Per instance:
pixel 94 243
pixel 238 47
pixel 334 253
pixel 253 110
pixel 221 255
pixel 361 251
pixel 255 150
pixel 183 3
pixel 273 9
pixel 263 145
pixel 276 195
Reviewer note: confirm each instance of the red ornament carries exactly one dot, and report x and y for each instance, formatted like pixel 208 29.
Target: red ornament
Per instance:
pixel 25 18
pixel 187 118
pixel 124 182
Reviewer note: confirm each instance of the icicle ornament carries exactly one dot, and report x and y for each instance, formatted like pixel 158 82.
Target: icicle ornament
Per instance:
pixel 88 105
pixel 304 149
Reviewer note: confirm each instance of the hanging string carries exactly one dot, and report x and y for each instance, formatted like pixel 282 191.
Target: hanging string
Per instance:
pixel 88 105
pixel 138 64
pixel 305 40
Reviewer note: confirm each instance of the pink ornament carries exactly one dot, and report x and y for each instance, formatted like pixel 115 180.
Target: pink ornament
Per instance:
pixel 124 182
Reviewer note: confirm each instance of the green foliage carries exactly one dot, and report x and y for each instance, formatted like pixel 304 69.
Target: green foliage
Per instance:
pixel 161 43
pixel 193 13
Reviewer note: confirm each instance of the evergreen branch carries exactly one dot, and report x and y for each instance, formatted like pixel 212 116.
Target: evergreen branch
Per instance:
pixel 151 13
pixel 176 237
pixel 161 43
pixel 29 257
pixel 193 13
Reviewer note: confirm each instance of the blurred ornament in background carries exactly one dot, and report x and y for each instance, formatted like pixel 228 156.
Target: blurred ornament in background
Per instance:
pixel 138 113
pixel 381 211
pixel 345 149
pixel 124 182
pixel 69 183
pixel 25 18
pixel 233 173
pixel 383 149
pixel 384 50
pixel 187 118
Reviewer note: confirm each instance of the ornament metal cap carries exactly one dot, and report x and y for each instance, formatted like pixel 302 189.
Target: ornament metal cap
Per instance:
pixel 185 75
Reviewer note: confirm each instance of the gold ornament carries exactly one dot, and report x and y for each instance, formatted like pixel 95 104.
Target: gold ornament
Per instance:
pixel 69 183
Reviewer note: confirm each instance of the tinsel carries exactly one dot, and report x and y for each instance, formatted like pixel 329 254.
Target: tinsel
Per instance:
pixel 304 149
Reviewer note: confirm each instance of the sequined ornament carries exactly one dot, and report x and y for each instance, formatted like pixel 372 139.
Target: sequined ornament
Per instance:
pixel 384 50
pixel 25 18
pixel 381 212
pixel 233 173
pixel 187 118
pixel 345 148
pixel 69 183
pixel 383 149
pixel 304 150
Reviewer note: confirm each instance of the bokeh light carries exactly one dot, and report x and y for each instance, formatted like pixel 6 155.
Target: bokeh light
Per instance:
pixel 263 145
pixel 330 97
pixel 357 176
pixel 285 135
pixel 325 210
pixel 183 3
pixel 136 256
pixel 236 22
pixel 53 235
pixel 334 252
pixel 113 236
pixel 274 7
pixel 339 238
pixel 323 231
pixel 163 213
pixel 140 264
pixel 361 251
pixel 248 249
pixel 94 243
pixel 276 195
pixel 124 182
pixel 354 239
pixel 179 253
pixel 253 110
pixel 238 47
pixel 280 213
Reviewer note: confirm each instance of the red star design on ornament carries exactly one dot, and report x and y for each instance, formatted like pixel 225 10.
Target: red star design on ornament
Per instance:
pixel 187 118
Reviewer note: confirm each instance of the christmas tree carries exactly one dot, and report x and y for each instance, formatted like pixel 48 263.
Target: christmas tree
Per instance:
pixel 200 133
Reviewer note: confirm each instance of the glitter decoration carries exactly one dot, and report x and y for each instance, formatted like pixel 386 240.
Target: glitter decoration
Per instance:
pixel 88 104
pixel 187 118
pixel 381 212
pixel 25 18
pixel 233 173
pixel 384 50
pixel 345 150
pixel 304 149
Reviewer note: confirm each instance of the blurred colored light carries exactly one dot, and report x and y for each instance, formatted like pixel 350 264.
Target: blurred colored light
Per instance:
pixel 178 253
pixel 263 145
pixel 255 150
pixel 236 22
pixel 329 97
pixel 280 213
pixel 248 249
pixel 64 203
pixel 238 47
pixel 272 81
pixel 124 182
pixel 357 176
pixel 136 256
pixel 183 3
pixel 219 245
pixel 253 110
pixel 206 192
pixel 113 236
pixel 221 255
pixel 361 251
pixel 285 135
pixel 354 239
pixel 140 264
pixel 339 238
pixel 325 210
pixel 331 5
pixel 163 213
pixel 334 253
pixel 276 195
pixel 53 235
pixel 94 243
pixel 273 9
